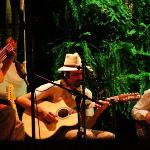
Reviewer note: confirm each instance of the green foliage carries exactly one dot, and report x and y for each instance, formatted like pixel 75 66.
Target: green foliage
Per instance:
pixel 113 36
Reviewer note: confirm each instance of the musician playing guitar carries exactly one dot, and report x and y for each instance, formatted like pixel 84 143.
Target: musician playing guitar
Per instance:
pixel 141 115
pixel 9 126
pixel 60 110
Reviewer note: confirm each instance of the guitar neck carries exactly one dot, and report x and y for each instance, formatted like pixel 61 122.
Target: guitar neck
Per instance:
pixel 10 46
pixel 3 53
pixel 125 97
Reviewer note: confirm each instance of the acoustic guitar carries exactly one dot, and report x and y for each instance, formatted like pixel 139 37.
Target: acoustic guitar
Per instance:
pixel 66 118
pixel 45 130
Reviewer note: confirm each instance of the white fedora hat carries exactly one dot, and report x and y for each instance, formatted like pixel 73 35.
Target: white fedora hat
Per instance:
pixel 72 63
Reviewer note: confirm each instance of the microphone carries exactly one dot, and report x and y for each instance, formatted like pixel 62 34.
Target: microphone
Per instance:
pixel 21 72
pixel 89 69
pixel 90 72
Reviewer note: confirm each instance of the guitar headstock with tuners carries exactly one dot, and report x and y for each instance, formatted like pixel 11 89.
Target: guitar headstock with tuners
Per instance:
pixel 125 97
pixel 11 97
pixel 10 94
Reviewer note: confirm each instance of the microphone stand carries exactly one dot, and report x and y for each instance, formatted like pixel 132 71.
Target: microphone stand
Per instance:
pixel 33 91
pixel 114 102
pixel 73 92
pixel 23 73
pixel 82 129
pixel 78 102
pixel 114 117
pixel 33 113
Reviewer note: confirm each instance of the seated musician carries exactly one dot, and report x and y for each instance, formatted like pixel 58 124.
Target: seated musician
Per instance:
pixel 10 128
pixel 72 79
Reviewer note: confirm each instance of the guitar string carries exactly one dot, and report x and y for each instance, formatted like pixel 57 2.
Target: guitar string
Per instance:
pixel 3 53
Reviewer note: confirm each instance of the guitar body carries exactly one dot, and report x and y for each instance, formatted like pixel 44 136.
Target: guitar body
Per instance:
pixel 142 129
pixel 44 130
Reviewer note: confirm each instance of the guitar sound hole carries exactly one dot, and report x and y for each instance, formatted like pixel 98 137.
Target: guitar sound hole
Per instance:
pixel 63 113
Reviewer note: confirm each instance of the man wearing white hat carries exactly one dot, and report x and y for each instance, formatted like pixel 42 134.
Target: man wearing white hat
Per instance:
pixel 64 114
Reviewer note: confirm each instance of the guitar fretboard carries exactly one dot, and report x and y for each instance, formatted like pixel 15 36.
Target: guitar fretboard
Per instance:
pixel 3 52
pixel 10 46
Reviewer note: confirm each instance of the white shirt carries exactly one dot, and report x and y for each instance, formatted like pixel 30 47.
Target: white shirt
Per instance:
pixel 142 107
pixel 89 111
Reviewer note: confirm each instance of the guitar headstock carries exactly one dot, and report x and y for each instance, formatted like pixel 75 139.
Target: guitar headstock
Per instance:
pixel 11 97
pixel 10 92
pixel 11 42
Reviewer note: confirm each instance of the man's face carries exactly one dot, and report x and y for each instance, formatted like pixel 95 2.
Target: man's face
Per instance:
pixel 75 78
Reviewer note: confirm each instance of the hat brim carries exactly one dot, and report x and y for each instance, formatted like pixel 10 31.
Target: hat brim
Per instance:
pixel 73 68
pixel 68 69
